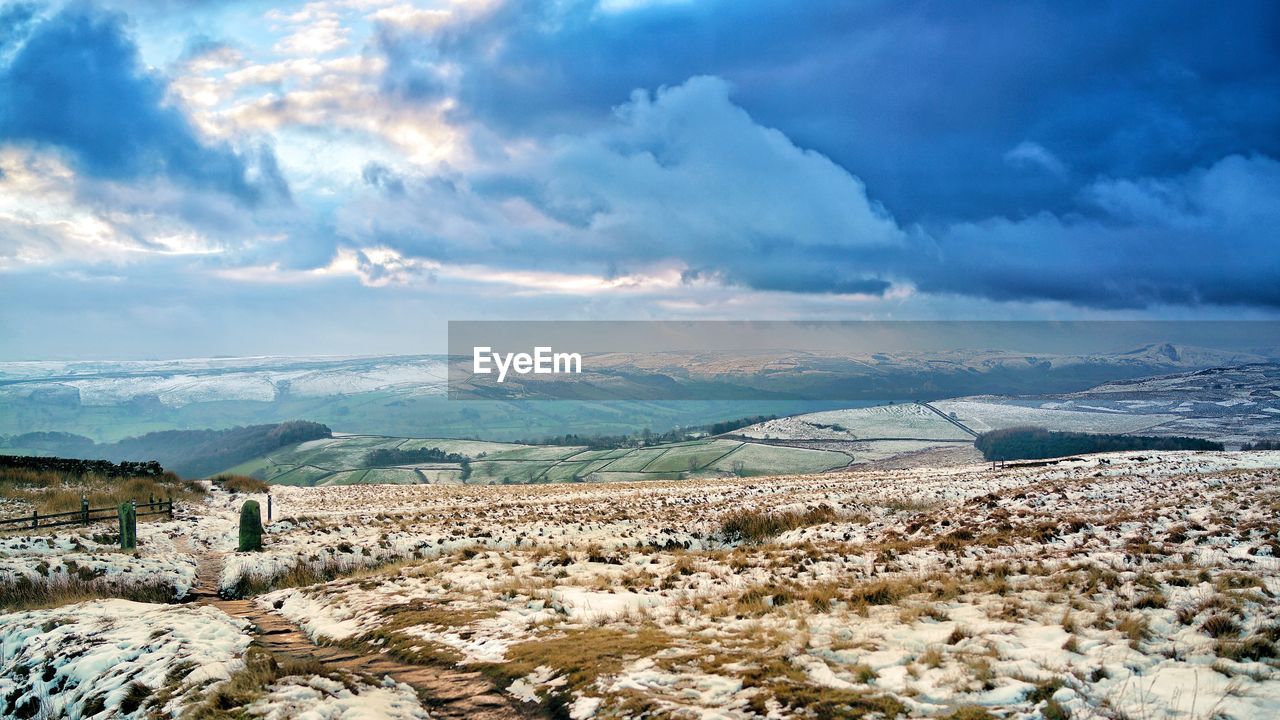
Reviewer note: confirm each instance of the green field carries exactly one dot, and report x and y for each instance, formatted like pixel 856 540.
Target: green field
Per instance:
pixel 342 461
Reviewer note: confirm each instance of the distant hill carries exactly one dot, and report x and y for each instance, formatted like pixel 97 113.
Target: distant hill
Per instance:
pixel 190 453
pixel 406 395
pixel 373 459
pixel 1231 405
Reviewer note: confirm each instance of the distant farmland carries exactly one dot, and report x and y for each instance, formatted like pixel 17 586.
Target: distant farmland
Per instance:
pixel 344 460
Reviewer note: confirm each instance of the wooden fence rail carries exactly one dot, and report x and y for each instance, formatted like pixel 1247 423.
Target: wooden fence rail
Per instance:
pixel 86 515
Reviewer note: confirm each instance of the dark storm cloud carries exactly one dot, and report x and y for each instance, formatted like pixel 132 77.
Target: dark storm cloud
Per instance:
pixel 77 83
pixel 922 100
pixel 1092 153
pixel 686 174
pixel 1204 237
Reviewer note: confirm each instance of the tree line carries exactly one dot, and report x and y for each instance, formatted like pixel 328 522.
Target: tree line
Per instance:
pixel 190 453
pixel 387 457
pixel 1034 443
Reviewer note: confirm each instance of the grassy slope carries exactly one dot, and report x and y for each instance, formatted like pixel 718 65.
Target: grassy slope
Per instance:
pixel 342 461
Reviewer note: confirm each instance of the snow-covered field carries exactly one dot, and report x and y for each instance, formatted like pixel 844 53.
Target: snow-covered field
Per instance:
pixel 991 414
pixel 326 698
pixel 1231 405
pixel 905 421
pixel 75 557
pixel 114 658
pixel 1123 585
pixel 1132 585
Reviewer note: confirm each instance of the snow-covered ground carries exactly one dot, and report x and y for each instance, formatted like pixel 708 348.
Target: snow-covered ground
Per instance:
pixel 982 415
pixel 1130 584
pixel 1137 585
pixel 1232 405
pixel 76 557
pixel 114 659
pixel 323 698
pixel 905 421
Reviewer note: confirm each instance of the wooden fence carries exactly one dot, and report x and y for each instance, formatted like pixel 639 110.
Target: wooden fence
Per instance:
pixel 86 515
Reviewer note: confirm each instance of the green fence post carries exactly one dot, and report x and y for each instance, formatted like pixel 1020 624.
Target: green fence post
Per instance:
pixel 128 513
pixel 250 526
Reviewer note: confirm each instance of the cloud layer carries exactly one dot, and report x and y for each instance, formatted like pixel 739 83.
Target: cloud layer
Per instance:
pixel 76 84
pixel 728 159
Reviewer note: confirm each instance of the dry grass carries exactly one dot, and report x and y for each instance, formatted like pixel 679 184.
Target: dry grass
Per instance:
pixel 580 655
pixel 54 492
pixel 249 683
pixel 755 526
pixel 970 712
pixel 752 610
pixel 1220 626
pixel 808 700
pixel 242 484
pixel 25 594
pixel 304 573
pixel 1254 647
pixel 1135 628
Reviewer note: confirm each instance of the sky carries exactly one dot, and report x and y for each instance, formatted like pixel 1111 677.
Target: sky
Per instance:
pixel 182 179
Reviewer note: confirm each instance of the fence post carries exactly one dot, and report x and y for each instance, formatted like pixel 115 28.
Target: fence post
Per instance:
pixel 268 507
pixel 128 512
pixel 84 510
pixel 250 527
pixel 35 519
pixel 170 507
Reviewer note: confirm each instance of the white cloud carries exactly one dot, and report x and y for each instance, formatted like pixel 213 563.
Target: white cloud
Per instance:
pixel 413 19
pixel 1028 154
pixel 681 176
pixel 44 220
pixel 316 29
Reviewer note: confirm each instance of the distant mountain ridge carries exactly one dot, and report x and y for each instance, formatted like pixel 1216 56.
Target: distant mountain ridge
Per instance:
pixel 1233 405
pixel 852 377
pixel 406 395
pixel 175 383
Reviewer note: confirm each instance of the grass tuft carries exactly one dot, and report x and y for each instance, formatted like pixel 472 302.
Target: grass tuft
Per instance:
pixel 242 484
pixel 756 526
pixel 23 593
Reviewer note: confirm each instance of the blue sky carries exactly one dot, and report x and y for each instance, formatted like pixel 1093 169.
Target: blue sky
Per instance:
pixel 344 176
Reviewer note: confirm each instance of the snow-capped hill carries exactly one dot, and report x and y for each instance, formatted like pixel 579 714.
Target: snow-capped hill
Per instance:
pixel 1190 356
pixel 176 383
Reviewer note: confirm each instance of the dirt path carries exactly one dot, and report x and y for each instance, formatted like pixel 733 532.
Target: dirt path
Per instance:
pixel 445 692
